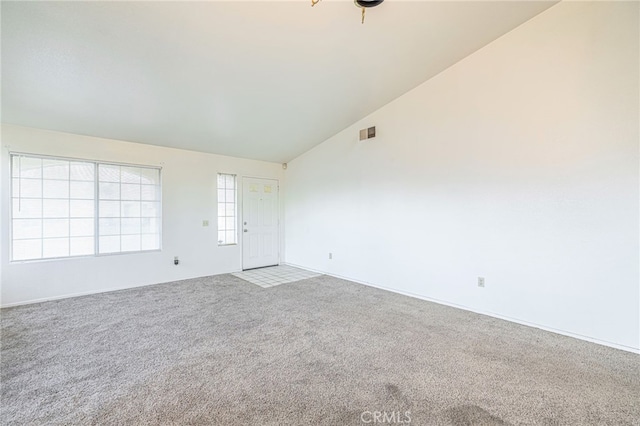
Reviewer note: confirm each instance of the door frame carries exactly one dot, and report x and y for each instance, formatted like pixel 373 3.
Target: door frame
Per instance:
pixel 241 217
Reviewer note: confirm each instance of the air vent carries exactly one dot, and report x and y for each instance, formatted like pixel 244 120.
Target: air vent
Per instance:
pixel 368 133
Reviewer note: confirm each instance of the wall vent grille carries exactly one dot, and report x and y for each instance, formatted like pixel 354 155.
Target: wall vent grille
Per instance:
pixel 368 133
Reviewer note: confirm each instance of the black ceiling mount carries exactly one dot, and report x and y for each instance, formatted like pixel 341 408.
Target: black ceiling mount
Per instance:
pixel 361 4
pixel 367 3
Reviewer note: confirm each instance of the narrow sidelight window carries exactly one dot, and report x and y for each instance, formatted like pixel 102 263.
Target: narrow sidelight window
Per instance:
pixel 227 211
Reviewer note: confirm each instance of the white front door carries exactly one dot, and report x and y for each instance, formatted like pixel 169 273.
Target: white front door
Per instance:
pixel 259 223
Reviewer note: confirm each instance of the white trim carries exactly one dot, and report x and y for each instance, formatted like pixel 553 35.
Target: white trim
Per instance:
pixel 417 296
pixel 481 312
pixel 70 296
pixel 106 290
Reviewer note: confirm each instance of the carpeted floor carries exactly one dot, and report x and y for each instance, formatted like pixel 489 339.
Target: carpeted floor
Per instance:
pixel 219 350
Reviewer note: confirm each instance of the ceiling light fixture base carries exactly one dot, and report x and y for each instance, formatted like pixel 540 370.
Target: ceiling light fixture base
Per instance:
pixel 362 4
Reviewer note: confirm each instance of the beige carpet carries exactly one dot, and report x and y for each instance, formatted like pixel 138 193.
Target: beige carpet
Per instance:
pixel 220 350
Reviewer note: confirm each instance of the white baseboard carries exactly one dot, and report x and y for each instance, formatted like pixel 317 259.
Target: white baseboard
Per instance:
pixel 71 295
pixel 488 313
pixel 417 296
pixel 104 290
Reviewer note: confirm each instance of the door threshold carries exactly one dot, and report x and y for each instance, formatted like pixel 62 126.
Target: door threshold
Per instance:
pixel 261 267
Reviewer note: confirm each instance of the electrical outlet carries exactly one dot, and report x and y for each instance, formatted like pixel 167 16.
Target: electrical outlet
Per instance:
pixel 330 256
pixel 176 261
pixel 480 282
pixel 205 223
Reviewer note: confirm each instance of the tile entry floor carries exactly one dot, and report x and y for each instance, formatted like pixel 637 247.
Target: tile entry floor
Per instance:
pixel 275 275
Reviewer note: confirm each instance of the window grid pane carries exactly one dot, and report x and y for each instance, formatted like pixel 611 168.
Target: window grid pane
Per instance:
pixel 42 206
pixel 129 208
pixel 227 218
pixel 54 203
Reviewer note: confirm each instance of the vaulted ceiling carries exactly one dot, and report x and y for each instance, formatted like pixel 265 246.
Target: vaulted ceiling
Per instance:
pixel 265 80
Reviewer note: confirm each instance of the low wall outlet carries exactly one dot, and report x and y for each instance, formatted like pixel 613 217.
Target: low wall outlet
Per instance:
pixel 480 281
pixel 176 261
pixel 330 255
pixel 205 223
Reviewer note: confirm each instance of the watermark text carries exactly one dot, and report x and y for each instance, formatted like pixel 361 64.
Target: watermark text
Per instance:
pixel 388 417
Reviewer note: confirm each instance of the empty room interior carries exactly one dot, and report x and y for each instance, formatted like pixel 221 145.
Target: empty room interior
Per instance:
pixel 328 212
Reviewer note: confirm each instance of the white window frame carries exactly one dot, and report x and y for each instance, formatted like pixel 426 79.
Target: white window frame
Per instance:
pixel 97 208
pixel 235 208
pixel 96 230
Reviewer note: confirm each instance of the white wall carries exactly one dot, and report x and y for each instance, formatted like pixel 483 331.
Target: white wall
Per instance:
pixel 188 195
pixel 519 164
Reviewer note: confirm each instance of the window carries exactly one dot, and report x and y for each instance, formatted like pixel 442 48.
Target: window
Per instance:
pixel 55 206
pixel 128 209
pixel 227 209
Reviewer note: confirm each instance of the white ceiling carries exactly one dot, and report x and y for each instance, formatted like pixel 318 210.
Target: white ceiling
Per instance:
pixel 262 80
